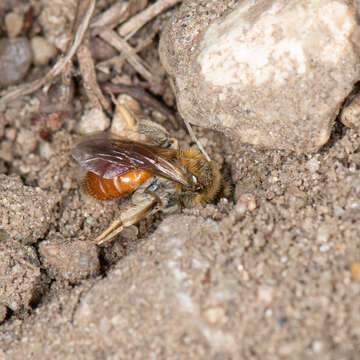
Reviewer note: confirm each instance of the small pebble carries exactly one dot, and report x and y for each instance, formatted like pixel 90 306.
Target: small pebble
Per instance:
pixel 324 248
pixel 338 210
pixel 43 51
pixel 265 294
pixel 214 314
pixel 313 165
pixel 13 24
pixel 10 133
pixel 45 150
pixel 340 247
pixel 350 115
pixel 92 121
pixel 355 271
pixel 323 234
pixel 27 141
pixel 15 60
pixel 247 202
pixel 318 346
pixel 286 349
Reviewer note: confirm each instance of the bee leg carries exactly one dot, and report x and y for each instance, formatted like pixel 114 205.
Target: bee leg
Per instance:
pixel 156 133
pixel 151 190
pixel 129 217
pixel 145 202
pixel 110 232
pixel 126 115
pixel 153 131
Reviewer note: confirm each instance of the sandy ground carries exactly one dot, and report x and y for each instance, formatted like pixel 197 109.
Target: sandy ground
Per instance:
pixel 271 273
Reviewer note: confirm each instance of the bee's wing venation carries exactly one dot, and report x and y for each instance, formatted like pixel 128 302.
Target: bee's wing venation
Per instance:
pixel 108 157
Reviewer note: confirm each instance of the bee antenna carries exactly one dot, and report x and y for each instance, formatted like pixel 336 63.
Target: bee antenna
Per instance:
pixel 194 138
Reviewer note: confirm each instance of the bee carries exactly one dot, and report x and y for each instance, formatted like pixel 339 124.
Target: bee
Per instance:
pixel 162 176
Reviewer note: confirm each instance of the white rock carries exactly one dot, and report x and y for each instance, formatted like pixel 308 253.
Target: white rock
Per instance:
pixel 247 202
pixel 350 115
pixel 265 294
pixel 13 24
pixel 43 51
pixel 271 73
pixel 244 50
pixel 214 314
pixel 45 150
pixel 92 121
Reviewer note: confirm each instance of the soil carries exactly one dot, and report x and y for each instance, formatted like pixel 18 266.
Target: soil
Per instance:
pixel 271 273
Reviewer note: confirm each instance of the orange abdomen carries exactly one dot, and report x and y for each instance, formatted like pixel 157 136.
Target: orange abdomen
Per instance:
pixel 105 189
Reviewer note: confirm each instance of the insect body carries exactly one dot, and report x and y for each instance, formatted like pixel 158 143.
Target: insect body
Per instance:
pixel 105 189
pixel 117 167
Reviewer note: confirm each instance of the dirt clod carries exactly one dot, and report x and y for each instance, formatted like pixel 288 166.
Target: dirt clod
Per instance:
pixel 69 260
pixel 20 275
pixel 25 212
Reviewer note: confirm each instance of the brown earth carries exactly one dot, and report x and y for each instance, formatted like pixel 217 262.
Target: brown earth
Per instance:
pixel 272 273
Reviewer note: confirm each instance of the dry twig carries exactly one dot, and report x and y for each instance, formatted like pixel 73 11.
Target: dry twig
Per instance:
pixel 120 59
pixel 87 70
pixel 115 15
pixel 87 67
pixel 143 97
pixel 58 67
pixel 129 28
pixel 138 21
pixel 121 45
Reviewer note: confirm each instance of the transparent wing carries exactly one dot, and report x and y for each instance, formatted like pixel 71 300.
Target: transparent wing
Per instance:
pixel 109 156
